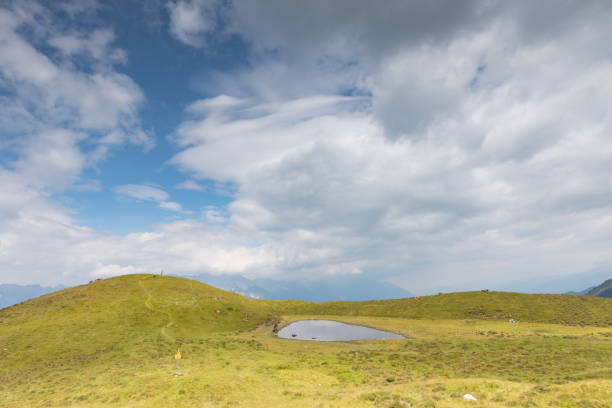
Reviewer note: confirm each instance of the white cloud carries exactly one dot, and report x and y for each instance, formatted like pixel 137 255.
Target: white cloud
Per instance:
pixel 76 8
pixel 189 185
pixel 214 215
pixel 100 100
pixel 71 254
pixel 212 105
pixel 107 271
pixel 96 45
pixel 51 159
pixel 146 192
pixel 19 61
pixel 142 192
pixel 190 20
pixel 52 106
pixel 255 141
pixel 170 205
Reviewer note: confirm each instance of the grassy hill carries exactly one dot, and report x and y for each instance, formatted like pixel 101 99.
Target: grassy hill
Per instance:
pixel 561 309
pixel 603 290
pixel 110 344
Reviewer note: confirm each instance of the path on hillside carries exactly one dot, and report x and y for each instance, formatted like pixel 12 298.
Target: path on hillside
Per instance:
pixel 149 305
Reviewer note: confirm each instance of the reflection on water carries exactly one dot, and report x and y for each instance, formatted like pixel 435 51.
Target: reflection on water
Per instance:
pixel 327 330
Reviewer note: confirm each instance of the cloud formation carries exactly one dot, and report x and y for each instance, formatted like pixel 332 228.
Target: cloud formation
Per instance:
pixel 57 120
pixel 189 185
pixel 144 192
pixel 424 143
pixel 190 20
pixel 483 151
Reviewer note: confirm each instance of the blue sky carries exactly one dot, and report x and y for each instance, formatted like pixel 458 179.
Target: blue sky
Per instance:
pixel 446 144
pixel 167 71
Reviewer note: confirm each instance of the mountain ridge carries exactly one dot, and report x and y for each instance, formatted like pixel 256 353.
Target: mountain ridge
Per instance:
pixel 603 290
pixel 349 288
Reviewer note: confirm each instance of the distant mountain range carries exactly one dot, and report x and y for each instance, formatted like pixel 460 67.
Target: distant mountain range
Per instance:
pixel 581 292
pixel 349 287
pixel 603 290
pixel 353 288
pixel 12 294
pixel 575 282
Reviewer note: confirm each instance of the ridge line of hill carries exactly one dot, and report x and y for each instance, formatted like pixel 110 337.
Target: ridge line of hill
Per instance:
pixel 171 291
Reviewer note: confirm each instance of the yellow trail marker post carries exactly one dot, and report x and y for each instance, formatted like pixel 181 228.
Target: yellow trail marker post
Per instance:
pixel 177 358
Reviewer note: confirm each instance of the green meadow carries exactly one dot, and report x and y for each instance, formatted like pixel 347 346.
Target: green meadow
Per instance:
pixel 112 344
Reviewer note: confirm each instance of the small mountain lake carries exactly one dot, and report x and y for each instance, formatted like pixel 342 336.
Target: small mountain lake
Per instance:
pixel 329 330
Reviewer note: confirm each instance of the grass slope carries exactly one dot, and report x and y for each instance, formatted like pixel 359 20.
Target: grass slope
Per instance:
pixel 110 344
pixel 560 309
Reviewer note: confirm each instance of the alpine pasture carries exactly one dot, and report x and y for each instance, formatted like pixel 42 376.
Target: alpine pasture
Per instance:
pixel 112 343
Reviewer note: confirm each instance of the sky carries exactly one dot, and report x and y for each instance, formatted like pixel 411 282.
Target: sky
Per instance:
pixel 426 144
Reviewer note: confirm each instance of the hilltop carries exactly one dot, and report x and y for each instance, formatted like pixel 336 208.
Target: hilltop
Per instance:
pixel 111 342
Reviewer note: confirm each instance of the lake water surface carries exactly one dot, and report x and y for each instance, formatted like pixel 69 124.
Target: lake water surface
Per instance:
pixel 328 330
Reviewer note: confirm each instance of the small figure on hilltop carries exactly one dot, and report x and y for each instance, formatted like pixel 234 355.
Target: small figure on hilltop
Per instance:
pixel 275 328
